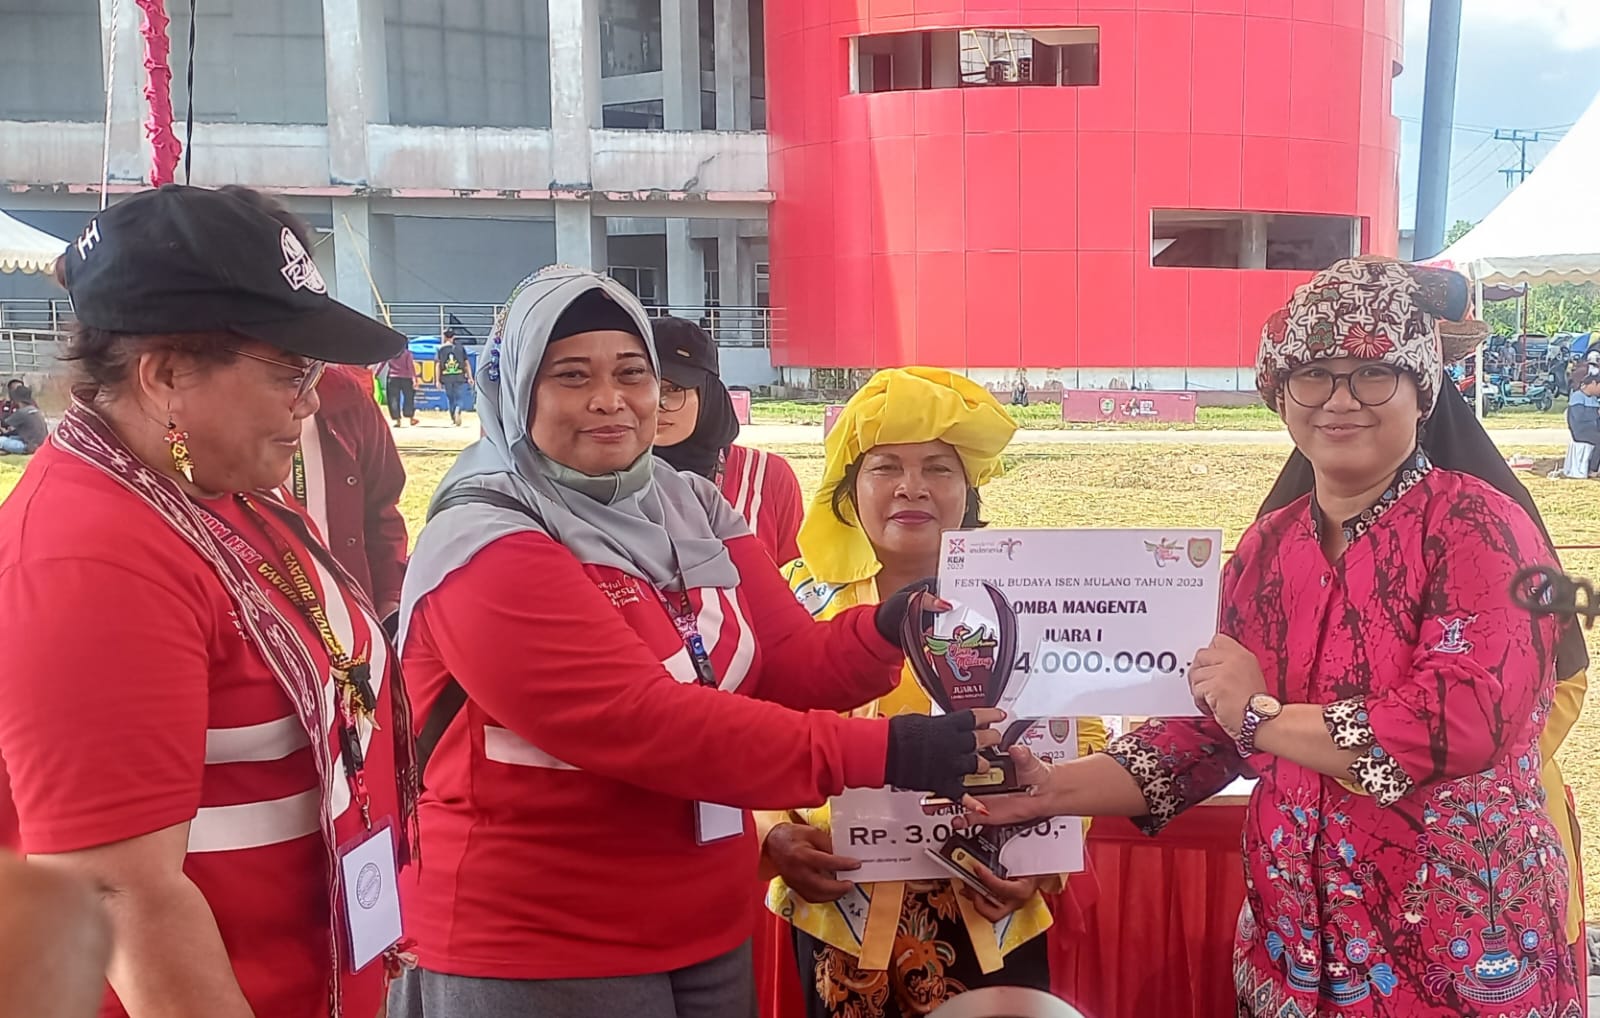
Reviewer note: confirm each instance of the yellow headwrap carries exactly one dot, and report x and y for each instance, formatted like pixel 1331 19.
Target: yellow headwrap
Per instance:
pixel 899 406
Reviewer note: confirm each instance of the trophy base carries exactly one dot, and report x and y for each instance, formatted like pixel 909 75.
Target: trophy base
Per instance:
pixel 962 852
pixel 999 779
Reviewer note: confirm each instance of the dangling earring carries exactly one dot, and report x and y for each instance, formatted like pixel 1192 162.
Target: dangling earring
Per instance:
pixel 178 445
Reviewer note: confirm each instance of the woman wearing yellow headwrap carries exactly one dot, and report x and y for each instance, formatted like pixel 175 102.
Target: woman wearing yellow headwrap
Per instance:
pixel 905 461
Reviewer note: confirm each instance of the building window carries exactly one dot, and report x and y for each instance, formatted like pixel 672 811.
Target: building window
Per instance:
pixel 641 281
pixel 641 116
pixel 466 63
pixel 1208 239
pixel 255 63
pixel 630 37
pixel 51 64
pixel 978 57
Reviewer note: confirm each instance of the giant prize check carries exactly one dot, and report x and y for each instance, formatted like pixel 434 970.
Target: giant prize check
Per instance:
pixel 1108 621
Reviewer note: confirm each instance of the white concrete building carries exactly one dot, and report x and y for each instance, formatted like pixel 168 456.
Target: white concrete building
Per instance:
pixel 443 149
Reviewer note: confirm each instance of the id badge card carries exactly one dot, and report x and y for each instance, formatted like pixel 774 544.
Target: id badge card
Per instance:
pixel 714 822
pixel 370 882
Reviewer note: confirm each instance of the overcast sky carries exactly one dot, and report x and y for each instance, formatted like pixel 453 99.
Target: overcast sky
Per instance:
pixel 1524 64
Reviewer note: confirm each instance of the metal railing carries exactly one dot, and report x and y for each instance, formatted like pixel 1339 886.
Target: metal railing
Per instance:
pixel 729 326
pixel 36 315
pixel 25 351
pixel 471 321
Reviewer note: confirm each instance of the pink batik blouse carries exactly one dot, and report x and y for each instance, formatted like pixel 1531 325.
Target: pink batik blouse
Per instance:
pixel 1430 882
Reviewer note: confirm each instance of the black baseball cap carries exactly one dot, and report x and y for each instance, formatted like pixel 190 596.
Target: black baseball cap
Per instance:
pixel 685 350
pixel 189 259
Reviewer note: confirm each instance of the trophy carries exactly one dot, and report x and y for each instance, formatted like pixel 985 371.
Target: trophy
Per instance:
pixel 967 669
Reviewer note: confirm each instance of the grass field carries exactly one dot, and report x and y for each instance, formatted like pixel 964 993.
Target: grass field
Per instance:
pixel 1047 417
pixel 1176 485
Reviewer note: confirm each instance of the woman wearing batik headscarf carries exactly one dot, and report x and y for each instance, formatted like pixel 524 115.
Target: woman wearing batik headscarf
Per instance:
pixel 1454 439
pixel 577 620
pixel 905 461
pixel 1375 669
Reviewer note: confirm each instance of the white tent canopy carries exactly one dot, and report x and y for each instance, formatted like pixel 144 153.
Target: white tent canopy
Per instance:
pixel 25 249
pixel 1548 229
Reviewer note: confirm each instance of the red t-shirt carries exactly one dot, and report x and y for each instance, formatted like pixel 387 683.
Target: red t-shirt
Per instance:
pixel 762 488
pixel 558 821
pixel 135 702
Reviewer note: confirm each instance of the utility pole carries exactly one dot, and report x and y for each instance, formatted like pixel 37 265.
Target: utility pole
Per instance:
pixel 1522 140
pixel 1438 118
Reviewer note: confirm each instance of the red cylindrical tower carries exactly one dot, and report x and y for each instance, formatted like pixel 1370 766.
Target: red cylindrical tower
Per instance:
pixel 1137 217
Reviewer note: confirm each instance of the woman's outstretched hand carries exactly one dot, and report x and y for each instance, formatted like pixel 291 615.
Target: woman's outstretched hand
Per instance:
pixel 1017 807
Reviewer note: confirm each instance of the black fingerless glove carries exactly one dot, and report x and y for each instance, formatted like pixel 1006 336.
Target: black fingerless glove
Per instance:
pixel 891 612
pixel 932 754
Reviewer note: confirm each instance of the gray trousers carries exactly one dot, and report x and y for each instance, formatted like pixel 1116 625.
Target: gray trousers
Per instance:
pixel 723 987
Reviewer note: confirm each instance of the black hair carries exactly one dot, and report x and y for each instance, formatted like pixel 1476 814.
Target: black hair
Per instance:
pixel 13 383
pixel 268 205
pixel 449 334
pixel 22 395
pixel 844 493
pixel 103 358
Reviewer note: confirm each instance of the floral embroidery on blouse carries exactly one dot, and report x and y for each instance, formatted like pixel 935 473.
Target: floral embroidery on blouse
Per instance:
pixel 1375 770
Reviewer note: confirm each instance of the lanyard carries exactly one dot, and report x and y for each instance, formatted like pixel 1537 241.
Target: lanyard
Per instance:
pixel 688 625
pixel 298 478
pixel 352 676
pixel 681 610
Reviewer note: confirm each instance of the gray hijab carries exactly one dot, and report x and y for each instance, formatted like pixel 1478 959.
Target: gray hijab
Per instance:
pixel 648 520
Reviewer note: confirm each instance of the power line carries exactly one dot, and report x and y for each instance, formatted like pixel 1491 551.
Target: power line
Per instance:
pixel 1522 141
pixel 1459 168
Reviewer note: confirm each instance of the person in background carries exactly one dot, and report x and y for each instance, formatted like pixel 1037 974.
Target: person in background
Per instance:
pixel 578 860
pixel 54 943
pixel 1378 669
pixel 695 432
pixel 400 385
pixel 1583 411
pixel 347 474
pixel 349 477
pixel 217 720
pixel 905 462
pixel 5 401
pixel 455 374
pixel 24 429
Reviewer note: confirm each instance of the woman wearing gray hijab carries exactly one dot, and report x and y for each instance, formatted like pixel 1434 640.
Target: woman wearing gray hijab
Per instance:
pixel 613 673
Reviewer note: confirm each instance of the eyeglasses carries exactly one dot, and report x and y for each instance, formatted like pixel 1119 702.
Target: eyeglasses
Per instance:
pixel 1370 385
pixel 310 373
pixel 673 397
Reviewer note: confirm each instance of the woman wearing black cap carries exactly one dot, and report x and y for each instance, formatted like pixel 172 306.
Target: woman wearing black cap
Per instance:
pixel 619 672
pixel 205 719
pixel 695 432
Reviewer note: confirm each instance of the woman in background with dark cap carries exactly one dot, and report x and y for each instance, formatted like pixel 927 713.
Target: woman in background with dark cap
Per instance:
pixel 695 432
pixel 205 720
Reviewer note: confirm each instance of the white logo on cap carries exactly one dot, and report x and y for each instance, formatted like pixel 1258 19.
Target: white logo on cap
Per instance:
pixel 91 237
pixel 298 268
